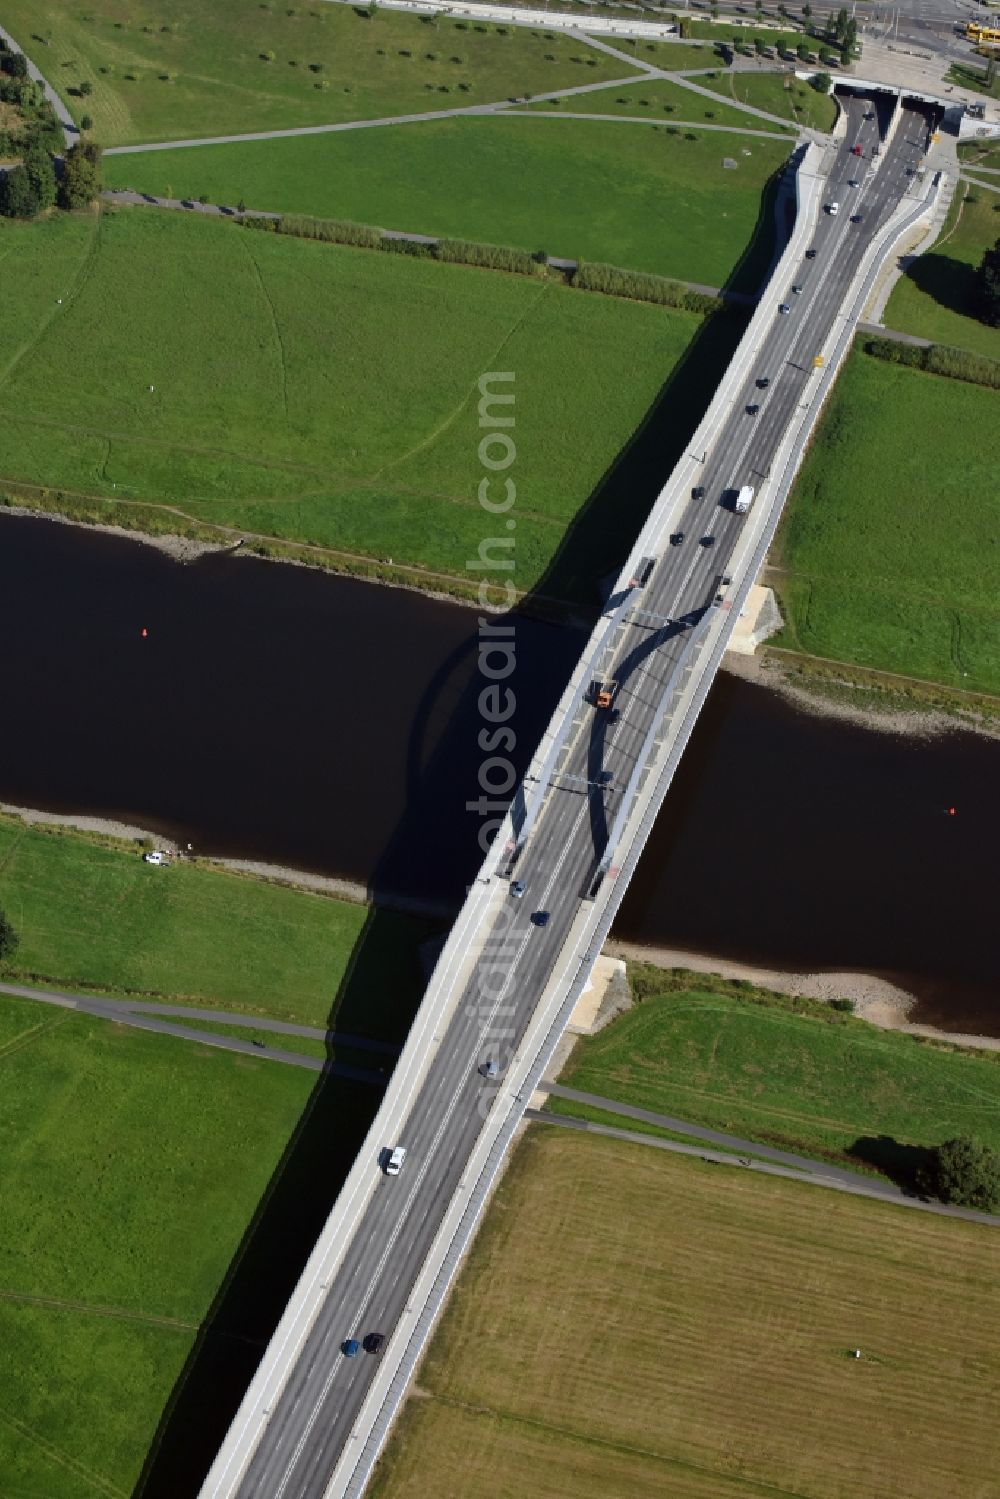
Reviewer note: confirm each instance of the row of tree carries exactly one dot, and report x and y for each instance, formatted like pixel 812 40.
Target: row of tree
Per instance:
pixel 32 186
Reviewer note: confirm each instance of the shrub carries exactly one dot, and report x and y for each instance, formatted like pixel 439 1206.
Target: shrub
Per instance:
pixel 492 257
pixel 937 359
pixel 85 88
pixel 86 123
pixel 639 286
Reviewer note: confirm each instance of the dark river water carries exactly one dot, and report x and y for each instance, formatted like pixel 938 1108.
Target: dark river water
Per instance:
pixel 276 713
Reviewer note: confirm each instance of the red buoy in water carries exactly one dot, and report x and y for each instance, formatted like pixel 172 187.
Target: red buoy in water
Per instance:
pixel 951 811
pixel 144 632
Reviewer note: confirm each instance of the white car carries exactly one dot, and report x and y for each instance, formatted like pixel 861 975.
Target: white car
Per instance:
pixel 156 856
pixel 394 1164
pixel 833 209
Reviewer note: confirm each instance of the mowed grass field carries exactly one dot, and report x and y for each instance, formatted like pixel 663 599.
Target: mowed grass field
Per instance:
pixel 630 1323
pixel 658 99
pixel 94 918
pixel 888 544
pixel 786 1072
pixel 778 93
pixel 170 69
pixel 936 299
pixel 309 391
pixel 624 194
pixel 133 1164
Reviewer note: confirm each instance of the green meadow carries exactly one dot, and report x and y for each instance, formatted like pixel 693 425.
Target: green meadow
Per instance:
pixel 170 69
pixel 308 391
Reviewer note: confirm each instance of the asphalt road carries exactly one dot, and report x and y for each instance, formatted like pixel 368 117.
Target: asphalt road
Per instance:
pixel 323 1395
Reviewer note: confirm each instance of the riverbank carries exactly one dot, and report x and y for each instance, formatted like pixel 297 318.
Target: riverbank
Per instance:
pixel 879 701
pixel 108 831
pixel 876 1000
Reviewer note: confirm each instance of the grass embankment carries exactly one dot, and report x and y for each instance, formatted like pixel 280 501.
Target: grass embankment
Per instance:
pixel 974 78
pixel 887 544
pixel 632 1323
pixel 936 299
pixel 354 421
pixel 789 1072
pixel 176 68
pixel 778 93
pixel 980 154
pixel 96 918
pixel 624 194
pixel 132 1166
pixel 657 99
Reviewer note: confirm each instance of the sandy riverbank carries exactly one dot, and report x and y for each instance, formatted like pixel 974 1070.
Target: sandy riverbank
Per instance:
pixel 875 999
pixel 866 707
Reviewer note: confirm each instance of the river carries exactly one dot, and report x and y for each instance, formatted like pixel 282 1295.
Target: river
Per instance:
pixel 276 713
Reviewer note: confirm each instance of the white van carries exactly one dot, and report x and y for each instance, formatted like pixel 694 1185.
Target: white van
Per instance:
pixel 394 1164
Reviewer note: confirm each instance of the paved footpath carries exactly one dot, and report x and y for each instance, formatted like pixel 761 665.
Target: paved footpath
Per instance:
pixel 141 1014
pixel 775 1162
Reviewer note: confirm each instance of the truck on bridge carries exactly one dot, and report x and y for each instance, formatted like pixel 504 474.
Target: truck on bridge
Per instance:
pixel 743 500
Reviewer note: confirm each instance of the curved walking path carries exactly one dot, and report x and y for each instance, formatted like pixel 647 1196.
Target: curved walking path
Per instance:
pixel 776 1162
pixel 63 115
pixel 141 1014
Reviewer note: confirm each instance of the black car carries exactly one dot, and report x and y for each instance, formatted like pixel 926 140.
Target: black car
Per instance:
pixel 676 538
pixel 541 918
pixel 763 382
pixel 752 410
pixel 855 218
pixel 708 541
pixel 810 254
pixel 374 1342
pixel 698 492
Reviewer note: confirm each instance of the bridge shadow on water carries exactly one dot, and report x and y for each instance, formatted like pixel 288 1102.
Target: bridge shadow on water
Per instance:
pixel 428 861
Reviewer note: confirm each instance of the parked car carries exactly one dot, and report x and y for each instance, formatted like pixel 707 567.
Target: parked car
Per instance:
pixel 156 856
pixel 810 254
pixel 833 209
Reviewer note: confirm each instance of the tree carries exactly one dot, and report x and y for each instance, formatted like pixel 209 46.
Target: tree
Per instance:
pixel 86 123
pixel 840 24
pixel 8 939
pixel 80 182
pixel 41 176
pixel 963 1171
pixel 241 207
pixel 802 52
pixel 15 64
pixel 85 88
pixel 988 280
pixel 821 82
pixel 845 57
pixel 807 10
pixel 17 198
